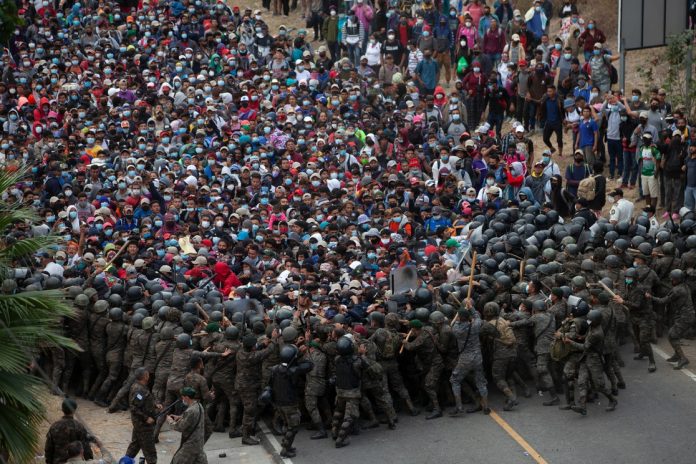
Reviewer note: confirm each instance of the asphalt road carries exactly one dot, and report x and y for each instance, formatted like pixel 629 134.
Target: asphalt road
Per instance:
pixel 653 423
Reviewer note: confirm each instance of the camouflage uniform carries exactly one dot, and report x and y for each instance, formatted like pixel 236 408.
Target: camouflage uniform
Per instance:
pixel 284 381
pixel 679 298
pixel 192 428
pixel 203 395
pixel 226 396
pixel 388 343
pixel 315 386
pixel 115 344
pixel 504 353
pixel 142 407
pixel 590 367
pixel 248 384
pixel 642 317
pixel 164 350
pixel 429 361
pixel 130 361
pixel 349 373
pixel 61 433
pixel 76 329
pixel 470 359
pixel 97 346
pixel 610 346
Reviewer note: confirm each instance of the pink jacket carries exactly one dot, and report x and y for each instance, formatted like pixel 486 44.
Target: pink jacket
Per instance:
pixel 364 14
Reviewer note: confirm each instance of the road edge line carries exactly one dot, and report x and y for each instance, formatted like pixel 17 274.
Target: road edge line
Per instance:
pixel 272 445
pixel 534 454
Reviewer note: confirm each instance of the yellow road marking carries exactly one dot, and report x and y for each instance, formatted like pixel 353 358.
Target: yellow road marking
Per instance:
pixel 516 436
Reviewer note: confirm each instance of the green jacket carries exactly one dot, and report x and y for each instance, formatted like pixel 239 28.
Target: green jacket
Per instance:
pixel 330 29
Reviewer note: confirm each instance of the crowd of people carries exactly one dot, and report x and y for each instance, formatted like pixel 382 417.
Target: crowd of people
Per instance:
pixel 331 229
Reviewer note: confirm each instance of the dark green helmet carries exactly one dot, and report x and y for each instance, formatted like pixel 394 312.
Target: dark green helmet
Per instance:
pixel 101 306
pixel 116 314
pixel 81 300
pixel 183 341
pixel 288 354
pixel 232 333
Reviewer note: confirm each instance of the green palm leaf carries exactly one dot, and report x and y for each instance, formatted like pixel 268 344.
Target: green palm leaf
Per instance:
pixel 29 322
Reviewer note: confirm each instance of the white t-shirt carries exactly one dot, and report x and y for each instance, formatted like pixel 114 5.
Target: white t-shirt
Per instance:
pixel 622 210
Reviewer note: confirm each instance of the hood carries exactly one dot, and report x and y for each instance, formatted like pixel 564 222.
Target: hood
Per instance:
pixel 222 269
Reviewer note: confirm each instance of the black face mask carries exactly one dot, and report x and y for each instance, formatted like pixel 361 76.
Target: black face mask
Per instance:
pixel 578 160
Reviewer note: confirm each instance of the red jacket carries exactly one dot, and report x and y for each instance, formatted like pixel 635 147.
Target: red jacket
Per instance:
pixel 225 279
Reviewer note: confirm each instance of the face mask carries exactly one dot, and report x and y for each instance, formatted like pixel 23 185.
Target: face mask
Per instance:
pixel 205 224
pixel 219 224
pixel 467 24
pixel 426 33
pixel 490 182
pixel 546 159
pixel 629 281
pixel 635 98
pixel 109 232
pixel 50 218
pixel 73 214
pixel 158 223
pixel 593 95
pixel 595 52
pixel 567 56
pixel 477 69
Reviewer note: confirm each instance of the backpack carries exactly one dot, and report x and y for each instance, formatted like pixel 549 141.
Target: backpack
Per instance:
pixel 507 336
pixel 613 74
pixel 587 188
pixel 390 346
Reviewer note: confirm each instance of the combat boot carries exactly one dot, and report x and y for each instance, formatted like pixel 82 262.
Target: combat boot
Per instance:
pixel 434 415
pixel 234 433
pixel 566 392
pixel 674 358
pixel 411 408
pixel 612 403
pixel 554 399
pixel 250 440
pixel 579 409
pixel 287 453
pixel 484 405
pixel 372 422
pixel 682 363
pixel 321 433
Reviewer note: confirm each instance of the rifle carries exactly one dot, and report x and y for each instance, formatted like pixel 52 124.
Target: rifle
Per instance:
pixel 168 408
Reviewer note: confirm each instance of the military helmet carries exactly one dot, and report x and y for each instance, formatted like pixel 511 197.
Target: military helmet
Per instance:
pixel 581 309
pixel 612 261
pixel 437 317
pixel 232 333
pixel 491 309
pixel 216 316
pixel 115 300
pixel 539 305
pixel 691 242
pixel 81 300
pixel 578 282
pixel 148 323
pixel 183 341
pixel 137 320
pixel 344 346
pixel 289 334
pixel 448 310
pixel 116 314
pixel 677 275
pixel 594 317
pixel 101 306
pixel 504 281
pixel 134 293
pixel 167 333
pixel 631 273
pixel 377 317
pixel 71 291
pixel 668 248
pixel 587 265
pixel 288 353
pixel 422 314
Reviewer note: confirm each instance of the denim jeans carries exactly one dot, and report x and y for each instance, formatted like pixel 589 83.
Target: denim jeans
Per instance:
pixel 616 160
pixel 690 197
pixel 630 168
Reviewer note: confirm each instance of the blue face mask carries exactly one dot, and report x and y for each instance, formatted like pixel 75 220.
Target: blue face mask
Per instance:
pixel 73 214
pixel 99 226
pixel 109 232
pixel 160 253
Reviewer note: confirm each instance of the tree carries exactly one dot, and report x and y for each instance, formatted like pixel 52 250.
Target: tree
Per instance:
pixel 29 322
pixel 9 20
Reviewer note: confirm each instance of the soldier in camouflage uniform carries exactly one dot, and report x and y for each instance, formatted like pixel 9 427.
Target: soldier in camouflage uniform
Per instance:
pixel 195 380
pixel 181 362
pixel 662 266
pixel 601 301
pixel 571 329
pixel 525 358
pixel 350 369
pixel 504 352
pixel 164 350
pixel 543 325
pixel 680 299
pixel 143 416
pixel 76 329
pixel 248 381
pixel 191 424
pixel 63 432
pixel 284 382
pixel 467 331
pixel 590 367
pixel 388 343
pixel 427 356
pixel 129 360
pixel 115 345
pixel 315 388
pixel 98 321
pixel 226 396
pixel 374 386
pixel 642 314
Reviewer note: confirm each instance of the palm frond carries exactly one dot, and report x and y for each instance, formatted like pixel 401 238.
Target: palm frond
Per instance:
pixel 9 179
pixel 21 413
pixel 25 247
